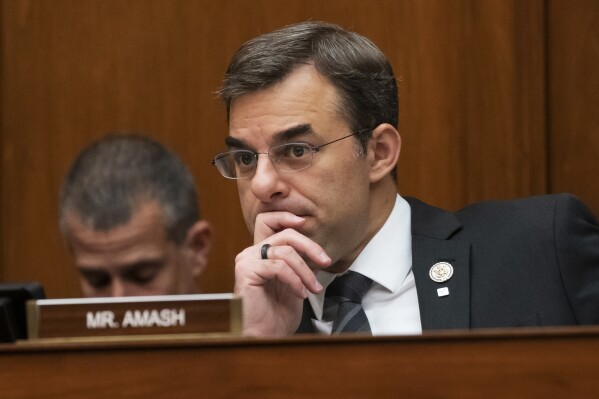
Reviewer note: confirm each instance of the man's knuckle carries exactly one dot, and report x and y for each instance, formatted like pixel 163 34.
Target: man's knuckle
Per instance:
pixel 287 251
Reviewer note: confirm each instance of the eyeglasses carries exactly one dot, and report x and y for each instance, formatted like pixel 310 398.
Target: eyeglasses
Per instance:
pixel 289 157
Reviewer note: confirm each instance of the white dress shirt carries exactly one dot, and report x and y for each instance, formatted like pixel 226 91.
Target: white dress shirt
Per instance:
pixel 391 304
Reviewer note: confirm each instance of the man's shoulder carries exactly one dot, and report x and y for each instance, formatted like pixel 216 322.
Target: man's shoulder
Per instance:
pixel 535 204
pixel 529 201
pixel 536 212
pixel 549 206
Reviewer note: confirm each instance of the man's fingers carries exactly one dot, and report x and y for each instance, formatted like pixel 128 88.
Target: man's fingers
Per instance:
pixel 269 223
pixel 286 248
pixel 290 259
pixel 301 244
pixel 278 269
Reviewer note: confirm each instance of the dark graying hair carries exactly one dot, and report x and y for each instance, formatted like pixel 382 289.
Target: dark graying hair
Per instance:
pixel 359 71
pixel 117 173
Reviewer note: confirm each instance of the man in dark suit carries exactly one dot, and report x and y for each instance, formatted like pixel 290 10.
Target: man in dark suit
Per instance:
pixel 313 146
pixel 527 262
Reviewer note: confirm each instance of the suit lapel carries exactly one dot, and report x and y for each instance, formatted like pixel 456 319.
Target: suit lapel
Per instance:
pixel 432 229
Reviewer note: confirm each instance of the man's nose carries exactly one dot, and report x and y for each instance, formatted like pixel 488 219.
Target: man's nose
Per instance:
pixel 119 288
pixel 266 183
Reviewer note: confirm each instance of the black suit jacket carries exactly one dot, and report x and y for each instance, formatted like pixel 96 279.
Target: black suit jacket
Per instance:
pixel 528 262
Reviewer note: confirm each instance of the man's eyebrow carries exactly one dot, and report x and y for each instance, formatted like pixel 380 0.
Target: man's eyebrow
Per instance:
pixel 232 142
pixel 90 271
pixel 278 137
pixel 122 269
pixel 292 132
pixel 142 264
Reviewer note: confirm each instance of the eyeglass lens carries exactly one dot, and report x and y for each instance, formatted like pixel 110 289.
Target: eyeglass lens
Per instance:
pixel 288 157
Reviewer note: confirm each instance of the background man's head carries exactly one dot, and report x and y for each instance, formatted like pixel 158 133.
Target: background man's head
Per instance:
pixel 129 213
pixel 359 71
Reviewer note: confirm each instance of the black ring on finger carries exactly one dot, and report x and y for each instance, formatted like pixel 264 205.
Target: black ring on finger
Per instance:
pixel 264 251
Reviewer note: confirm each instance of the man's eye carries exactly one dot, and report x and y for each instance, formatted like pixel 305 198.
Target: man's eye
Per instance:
pixel 97 281
pixel 143 275
pixel 244 158
pixel 295 150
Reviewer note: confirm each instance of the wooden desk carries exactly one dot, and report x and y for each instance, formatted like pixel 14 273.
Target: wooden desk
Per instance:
pixel 542 363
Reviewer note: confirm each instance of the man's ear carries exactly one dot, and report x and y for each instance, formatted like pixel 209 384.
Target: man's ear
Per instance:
pixel 384 147
pixel 198 242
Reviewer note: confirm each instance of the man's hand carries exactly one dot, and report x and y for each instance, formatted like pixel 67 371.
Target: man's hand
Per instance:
pixel 273 289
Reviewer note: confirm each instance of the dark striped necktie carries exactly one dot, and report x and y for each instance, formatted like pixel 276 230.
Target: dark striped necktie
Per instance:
pixel 343 302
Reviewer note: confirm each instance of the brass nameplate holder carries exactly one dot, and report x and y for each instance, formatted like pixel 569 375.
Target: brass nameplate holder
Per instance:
pixel 132 316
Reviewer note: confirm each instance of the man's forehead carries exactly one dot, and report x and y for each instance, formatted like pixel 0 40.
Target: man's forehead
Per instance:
pixel 125 245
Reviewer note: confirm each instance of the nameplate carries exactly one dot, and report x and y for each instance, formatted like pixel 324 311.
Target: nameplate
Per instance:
pixel 125 316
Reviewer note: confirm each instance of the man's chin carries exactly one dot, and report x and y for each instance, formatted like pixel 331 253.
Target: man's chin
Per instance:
pixel 314 267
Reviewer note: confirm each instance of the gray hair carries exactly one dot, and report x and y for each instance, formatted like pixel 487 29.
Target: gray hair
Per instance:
pixel 356 67
pixel 116 173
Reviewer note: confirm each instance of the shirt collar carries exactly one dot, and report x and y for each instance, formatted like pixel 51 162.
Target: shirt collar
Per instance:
pixel 386 259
